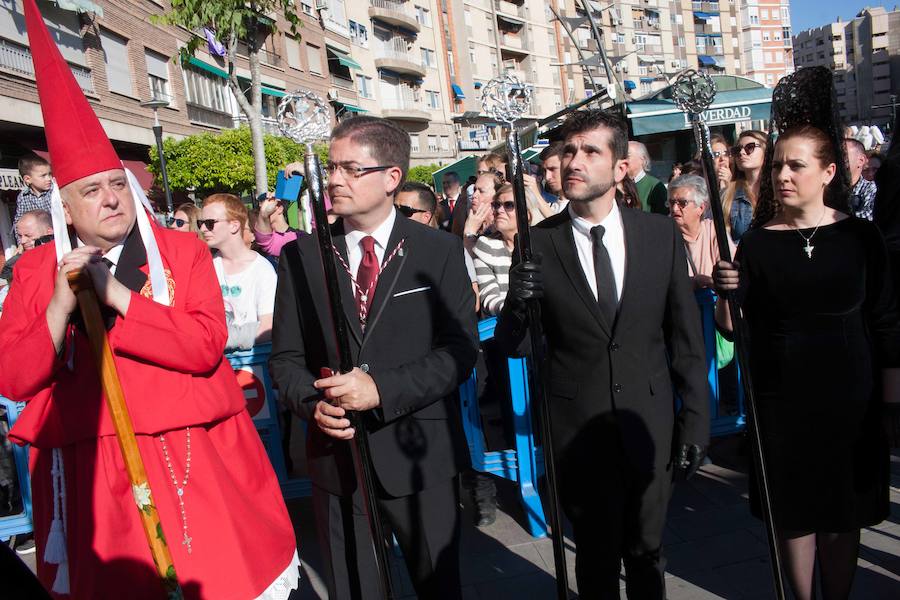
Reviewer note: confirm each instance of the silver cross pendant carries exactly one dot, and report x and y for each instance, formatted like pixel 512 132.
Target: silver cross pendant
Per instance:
pixel 809 250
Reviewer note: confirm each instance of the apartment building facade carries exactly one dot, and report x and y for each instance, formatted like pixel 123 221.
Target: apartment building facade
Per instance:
pixel 864 54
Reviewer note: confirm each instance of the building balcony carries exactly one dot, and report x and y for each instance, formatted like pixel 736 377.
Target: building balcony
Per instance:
pixel 653 49
pixel 405 110
pixel 474 145
pixel 211 118
pixel 390 56
pixel 711 50
pixel 512 9
pixel 265 56
pixel 514 44
pixel 650 26
pixel 17 59
pixel 394 13
pixel 707 28
pixel 707 7
pixel 269 124
pixel 341 82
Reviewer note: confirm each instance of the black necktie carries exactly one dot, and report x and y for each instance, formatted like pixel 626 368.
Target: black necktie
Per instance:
pixel 606 281
pixel 109 264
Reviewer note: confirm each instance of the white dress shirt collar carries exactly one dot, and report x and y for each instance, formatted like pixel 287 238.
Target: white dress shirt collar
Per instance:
pixel 613 241
pixel 640 175
pixel 113 255
pixel 382 235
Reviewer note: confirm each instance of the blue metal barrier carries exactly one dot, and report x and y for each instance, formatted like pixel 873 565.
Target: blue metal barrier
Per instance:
pixel 251 367
pixel 22 522
pixel 525 463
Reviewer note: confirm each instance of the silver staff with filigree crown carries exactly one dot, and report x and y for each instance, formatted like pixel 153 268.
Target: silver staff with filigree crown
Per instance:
pixel 507 99
pixel 694 92
pixel 305 118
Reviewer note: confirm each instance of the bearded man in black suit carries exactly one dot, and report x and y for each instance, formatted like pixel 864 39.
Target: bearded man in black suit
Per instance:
pixel 622 326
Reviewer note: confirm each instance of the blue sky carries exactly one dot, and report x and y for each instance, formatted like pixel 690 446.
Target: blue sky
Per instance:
pixel 815 13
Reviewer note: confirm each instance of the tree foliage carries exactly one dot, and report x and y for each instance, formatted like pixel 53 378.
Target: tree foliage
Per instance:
pixel 236 21
pixel 422 174
pixel 208 163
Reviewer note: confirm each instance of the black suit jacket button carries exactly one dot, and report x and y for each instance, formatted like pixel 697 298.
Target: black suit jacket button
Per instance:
pixel 614 346
pixel 617 388
pixel 364 367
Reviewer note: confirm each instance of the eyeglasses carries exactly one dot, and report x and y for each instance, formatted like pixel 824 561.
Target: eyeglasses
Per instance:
pixel 209 224
pixel 748 149
pixel 508 206
pixel 720 153
pixel 176 222
pixel 408 211
pixel 681 202
pixel 352 171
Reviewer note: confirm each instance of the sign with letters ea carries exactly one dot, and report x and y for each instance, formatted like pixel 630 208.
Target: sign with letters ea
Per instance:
pixel 723 114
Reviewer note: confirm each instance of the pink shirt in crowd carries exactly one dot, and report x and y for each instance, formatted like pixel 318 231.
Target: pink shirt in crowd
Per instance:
pixel 272 243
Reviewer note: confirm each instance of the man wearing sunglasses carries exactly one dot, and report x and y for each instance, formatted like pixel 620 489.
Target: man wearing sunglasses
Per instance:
pixel 409 310
pixel 622 326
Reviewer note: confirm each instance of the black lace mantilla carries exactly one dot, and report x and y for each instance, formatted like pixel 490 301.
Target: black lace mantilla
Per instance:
pixel 805 97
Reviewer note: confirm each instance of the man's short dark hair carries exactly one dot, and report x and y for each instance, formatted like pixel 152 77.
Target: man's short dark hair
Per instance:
pixel 41 216
pixel 386 142
pixel 427 199
pixel 581 121
pixel 30 162
pixel 452 175
pixel 554 149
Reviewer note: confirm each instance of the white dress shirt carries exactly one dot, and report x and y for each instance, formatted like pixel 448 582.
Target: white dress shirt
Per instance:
pixel 640 175
pixel 382 235
pixel 113 255
pixel 613 240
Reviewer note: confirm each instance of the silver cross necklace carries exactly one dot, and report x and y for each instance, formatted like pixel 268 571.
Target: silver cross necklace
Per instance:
pixel 809 247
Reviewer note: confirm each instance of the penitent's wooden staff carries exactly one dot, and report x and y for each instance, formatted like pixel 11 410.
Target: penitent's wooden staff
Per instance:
pixel 304 117
pixel 507 99
pixel 694 92
pixel 83 287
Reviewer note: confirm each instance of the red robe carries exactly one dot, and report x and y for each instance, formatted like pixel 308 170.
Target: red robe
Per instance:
pixel 174 374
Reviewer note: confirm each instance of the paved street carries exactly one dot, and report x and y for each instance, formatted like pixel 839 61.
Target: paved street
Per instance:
pixel 715 547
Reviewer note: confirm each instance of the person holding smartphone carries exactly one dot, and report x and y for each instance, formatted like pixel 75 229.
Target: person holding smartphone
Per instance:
pixel 271 228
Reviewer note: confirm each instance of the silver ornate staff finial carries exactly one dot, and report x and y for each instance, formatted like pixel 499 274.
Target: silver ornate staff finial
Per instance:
pixel 693 91
pixel 506 98
pixel 303 116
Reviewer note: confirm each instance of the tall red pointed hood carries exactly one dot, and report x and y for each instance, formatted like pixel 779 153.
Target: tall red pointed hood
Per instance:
pixel 77 143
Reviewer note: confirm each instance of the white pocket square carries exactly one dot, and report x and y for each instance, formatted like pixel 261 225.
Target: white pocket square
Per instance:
pixel 412 291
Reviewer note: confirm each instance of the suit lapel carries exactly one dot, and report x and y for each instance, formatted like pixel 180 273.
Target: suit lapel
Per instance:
pixel 348 299
pixel 132 258
pixel 387 279
pixel 564 243
pixel 633 260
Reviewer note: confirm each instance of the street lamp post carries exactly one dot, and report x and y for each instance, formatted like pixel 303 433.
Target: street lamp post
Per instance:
pixel 156 104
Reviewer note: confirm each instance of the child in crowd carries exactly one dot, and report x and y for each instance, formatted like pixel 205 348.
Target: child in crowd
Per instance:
pixel 36 173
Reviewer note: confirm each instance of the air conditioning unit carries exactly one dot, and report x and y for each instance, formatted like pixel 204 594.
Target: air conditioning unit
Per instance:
pixel 333 94
pixel 618 21
pixel 617 69
pixel 321 4
pixel 675 63
pixel 624 68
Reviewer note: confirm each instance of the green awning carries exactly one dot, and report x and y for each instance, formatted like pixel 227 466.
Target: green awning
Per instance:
pixel 208 67
pixel 273 92
pixel 659 114
pixel 343 58
pixel 354 109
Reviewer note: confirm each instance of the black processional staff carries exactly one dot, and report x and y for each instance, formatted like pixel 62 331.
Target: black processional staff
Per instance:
pixel 694 92
pixel 506 99
pixel 304 117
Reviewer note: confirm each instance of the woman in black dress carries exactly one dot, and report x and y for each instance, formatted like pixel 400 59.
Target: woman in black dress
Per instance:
pixel 816 293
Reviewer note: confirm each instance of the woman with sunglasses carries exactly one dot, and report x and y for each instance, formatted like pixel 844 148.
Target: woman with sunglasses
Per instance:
pixel 722 160
pixel 493 254
pixel 741 194
pixel 481 217
pixel 185 219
